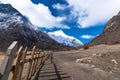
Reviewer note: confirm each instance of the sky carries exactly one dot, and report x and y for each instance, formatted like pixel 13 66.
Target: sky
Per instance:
pixel 83 19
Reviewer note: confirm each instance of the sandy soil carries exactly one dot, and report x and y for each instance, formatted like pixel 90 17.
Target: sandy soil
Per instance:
pixel 96 63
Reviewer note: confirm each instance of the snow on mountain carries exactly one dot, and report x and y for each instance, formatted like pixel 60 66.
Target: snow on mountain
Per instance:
pixel 9 15
pixel 16 27
pixel 64 39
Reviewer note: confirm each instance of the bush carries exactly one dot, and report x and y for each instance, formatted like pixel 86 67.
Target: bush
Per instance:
pixel 85 47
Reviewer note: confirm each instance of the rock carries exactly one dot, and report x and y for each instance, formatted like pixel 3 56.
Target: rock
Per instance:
pixel 114 61
pixel 84 60
pixel 94 54
pixel 93 66
pixel 79 61
pixel 111 72
pixel 88 60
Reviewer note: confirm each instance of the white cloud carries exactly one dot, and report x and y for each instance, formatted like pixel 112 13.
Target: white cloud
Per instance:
pixel 87 36
pixel 60 19
pixel 97 11
pixel 38 14
pixel 59 6
pixel 94 12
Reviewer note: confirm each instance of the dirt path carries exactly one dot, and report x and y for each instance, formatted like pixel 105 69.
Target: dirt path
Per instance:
pixel 51 71
pixel 97 63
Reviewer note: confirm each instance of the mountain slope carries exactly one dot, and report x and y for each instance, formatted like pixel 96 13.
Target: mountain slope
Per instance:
pixel 64 39
pixel 111 33
pixel 14 26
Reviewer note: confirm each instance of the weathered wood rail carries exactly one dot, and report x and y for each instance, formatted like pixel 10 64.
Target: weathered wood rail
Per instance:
pixel 13 66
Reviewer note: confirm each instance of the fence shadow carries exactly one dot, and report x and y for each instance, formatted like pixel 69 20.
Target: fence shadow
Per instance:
pixel 50 71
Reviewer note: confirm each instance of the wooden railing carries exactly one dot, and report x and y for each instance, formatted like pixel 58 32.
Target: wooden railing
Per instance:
pixel 22 64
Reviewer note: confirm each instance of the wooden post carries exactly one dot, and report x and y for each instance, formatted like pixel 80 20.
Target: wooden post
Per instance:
pixel 9 58
pixel 16 72
pixel 31 64
pixel 34 61
pixel 22 63
pixel 40 59
pixel 37 60
pixel 45 55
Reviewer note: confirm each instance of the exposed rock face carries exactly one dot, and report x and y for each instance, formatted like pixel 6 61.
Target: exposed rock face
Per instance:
pixel 111 33
pixel 14 26
pixel 113 23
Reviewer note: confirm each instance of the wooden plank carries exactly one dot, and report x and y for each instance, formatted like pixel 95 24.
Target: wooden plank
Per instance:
pixel 29 59
pixel 37 60
pixel 22 64
pixel 42 58
pixel 37 67
pixel 16 72
pixel 31 64
pixel 34 64
pixel 7 63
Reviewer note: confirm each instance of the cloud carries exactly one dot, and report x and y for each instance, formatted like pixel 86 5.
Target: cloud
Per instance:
pixel 93 12
pixel 59 6
pixel 38 14
pixel 84 13
pixel 87 36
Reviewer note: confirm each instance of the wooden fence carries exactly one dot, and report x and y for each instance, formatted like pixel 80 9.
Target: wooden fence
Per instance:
pixel 17 63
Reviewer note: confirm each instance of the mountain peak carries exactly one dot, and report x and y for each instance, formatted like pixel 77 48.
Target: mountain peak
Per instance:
pixel 60 33
pixel 61 37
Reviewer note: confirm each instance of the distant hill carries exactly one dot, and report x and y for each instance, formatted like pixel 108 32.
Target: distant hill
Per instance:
pixel 14 26
pixel 110 34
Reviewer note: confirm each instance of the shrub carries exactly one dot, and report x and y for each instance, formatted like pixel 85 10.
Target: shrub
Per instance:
pixel 85 46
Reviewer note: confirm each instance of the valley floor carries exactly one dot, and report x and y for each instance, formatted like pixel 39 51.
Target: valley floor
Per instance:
pixel 101 62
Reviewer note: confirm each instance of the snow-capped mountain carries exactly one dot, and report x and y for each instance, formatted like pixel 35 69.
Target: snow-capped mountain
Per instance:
pixel 64 39
pixel 14 26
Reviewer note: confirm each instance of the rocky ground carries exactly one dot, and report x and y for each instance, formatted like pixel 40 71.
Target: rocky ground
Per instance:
pixel 96 63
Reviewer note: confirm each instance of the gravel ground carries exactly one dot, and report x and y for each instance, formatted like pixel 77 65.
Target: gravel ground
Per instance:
pixel 101 62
